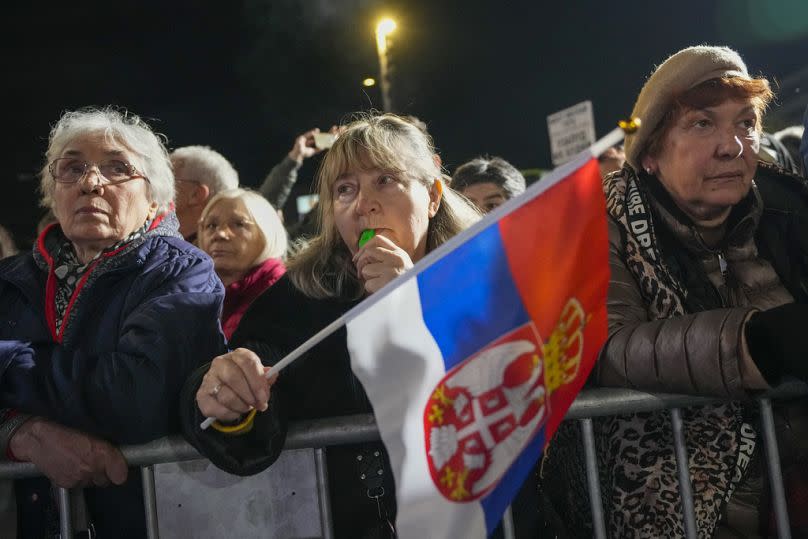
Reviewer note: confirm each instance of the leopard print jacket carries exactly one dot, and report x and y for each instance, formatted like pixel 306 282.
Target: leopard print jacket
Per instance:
pixel 637 458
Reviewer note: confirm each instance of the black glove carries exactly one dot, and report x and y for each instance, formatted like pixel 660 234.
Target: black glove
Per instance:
pixel 778 342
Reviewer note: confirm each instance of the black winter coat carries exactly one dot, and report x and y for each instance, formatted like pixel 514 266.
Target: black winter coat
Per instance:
pixel 319 384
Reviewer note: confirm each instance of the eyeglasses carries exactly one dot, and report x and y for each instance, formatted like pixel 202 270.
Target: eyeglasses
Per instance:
pixel 71 170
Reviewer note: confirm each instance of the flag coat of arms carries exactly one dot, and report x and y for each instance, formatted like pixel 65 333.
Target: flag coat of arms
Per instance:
pixel 471 361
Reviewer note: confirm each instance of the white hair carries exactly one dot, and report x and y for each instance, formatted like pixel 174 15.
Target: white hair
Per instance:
pixel 119 127
pixel 205 165
pixel 264 215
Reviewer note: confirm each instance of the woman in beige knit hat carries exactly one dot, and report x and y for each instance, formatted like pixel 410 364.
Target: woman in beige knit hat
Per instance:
pixel 709 281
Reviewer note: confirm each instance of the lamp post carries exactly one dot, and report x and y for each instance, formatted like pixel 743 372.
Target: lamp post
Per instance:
pixel 383 29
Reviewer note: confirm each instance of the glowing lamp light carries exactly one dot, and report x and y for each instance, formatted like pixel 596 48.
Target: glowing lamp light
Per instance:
pixel 383 29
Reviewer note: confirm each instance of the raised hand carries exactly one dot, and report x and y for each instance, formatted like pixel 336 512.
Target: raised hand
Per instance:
pixel 380 261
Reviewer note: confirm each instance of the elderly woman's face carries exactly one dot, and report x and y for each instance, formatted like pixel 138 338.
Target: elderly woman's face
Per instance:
pixel 231 237
pixel 708 159
pixel 93 213
pixel 396 207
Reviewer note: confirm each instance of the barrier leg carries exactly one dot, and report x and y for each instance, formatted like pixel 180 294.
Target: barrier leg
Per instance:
pixel 322 493
pixel 65 518
pixel 150 502
pixel 682 468
pixel 775 472
pixel 593 479
pixel 508 531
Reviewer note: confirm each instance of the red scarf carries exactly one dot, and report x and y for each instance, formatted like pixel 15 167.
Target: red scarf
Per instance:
pixel 240 294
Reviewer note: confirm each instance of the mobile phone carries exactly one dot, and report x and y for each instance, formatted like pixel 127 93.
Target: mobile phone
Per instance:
pixel 323 141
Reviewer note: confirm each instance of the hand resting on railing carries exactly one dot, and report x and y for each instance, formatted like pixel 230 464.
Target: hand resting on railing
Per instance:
pixel 67 457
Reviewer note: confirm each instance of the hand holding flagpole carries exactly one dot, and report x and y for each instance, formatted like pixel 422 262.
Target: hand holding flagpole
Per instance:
pixel 295 354
pixel 365 237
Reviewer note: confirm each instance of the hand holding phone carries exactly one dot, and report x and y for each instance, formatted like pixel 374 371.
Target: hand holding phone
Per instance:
pixel 323 141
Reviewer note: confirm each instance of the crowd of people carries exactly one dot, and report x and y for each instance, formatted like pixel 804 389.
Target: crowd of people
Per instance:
pixel 160 291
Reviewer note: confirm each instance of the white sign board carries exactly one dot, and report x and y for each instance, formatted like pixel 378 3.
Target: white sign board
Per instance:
pixel 571 130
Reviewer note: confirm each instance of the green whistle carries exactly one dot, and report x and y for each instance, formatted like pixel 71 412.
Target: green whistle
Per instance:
pixel 365 237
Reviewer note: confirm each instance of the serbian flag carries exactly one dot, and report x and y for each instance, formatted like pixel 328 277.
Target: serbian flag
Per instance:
pixel 472 358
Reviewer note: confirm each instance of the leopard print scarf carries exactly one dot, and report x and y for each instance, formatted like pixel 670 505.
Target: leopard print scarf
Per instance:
pixel 637 458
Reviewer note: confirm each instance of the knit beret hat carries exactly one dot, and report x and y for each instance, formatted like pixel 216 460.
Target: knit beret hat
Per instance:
pixel 687 68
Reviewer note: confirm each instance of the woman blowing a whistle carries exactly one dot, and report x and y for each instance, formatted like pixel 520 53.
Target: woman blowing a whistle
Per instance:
pixel 380 179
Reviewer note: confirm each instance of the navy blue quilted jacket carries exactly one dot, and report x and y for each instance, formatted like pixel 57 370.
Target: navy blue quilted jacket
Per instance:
pixel 140 321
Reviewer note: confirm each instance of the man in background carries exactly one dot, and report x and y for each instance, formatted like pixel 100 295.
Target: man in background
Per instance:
pixel 200 173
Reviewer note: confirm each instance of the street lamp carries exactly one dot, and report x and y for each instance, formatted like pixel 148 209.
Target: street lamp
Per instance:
pixel 385 27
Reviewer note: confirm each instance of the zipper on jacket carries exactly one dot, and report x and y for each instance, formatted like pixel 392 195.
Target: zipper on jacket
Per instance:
pixel 723 291
pixel 722 265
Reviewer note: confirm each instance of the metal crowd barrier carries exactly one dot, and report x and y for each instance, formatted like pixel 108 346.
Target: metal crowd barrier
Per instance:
pixel 320 434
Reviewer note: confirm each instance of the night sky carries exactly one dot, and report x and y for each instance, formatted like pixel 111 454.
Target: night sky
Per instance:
pixel 245 77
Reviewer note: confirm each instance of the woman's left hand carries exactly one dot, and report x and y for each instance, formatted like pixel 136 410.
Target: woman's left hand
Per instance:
pixel 380 261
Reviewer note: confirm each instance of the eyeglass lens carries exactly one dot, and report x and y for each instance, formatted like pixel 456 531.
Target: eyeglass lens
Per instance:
pixel 69 170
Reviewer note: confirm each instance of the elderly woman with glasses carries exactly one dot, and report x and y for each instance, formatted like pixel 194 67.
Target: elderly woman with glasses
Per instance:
pixel 101 323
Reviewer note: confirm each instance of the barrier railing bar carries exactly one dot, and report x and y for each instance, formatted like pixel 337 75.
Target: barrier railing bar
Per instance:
pixel 605 401
pixel 508 530
pixel 321 468
pixel 150 502
pixel 775 472
pixel 593 478
pixel 302 435
pixel 362 428
pixel 683 471
pixel 65 517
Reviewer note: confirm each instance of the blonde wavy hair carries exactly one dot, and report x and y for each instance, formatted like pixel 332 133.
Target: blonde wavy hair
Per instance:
pixel 323 268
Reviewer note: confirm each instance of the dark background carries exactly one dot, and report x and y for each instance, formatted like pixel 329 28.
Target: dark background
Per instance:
pixel 247 76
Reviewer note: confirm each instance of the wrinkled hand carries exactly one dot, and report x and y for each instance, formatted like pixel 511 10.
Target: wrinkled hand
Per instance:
pixel 380 261
pixel 67 457
pixel 304 146
pixel 234 385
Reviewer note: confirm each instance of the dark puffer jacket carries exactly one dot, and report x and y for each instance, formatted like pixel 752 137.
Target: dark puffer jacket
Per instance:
pixel 761 263
pixel 141 322
pixel 319 384
pixel 649 355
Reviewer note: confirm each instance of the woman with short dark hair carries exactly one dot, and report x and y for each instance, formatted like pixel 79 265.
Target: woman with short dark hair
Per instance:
pixel 488 182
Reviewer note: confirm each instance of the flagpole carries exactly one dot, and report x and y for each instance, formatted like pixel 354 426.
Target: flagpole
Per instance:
pixel 550 180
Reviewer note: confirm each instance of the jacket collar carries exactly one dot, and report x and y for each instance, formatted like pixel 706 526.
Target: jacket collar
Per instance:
pixel 125 256
pixel 164 224
pixel 262 275
pixel 742 222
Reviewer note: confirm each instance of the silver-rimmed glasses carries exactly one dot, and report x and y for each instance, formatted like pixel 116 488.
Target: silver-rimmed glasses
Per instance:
pixel 71 170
